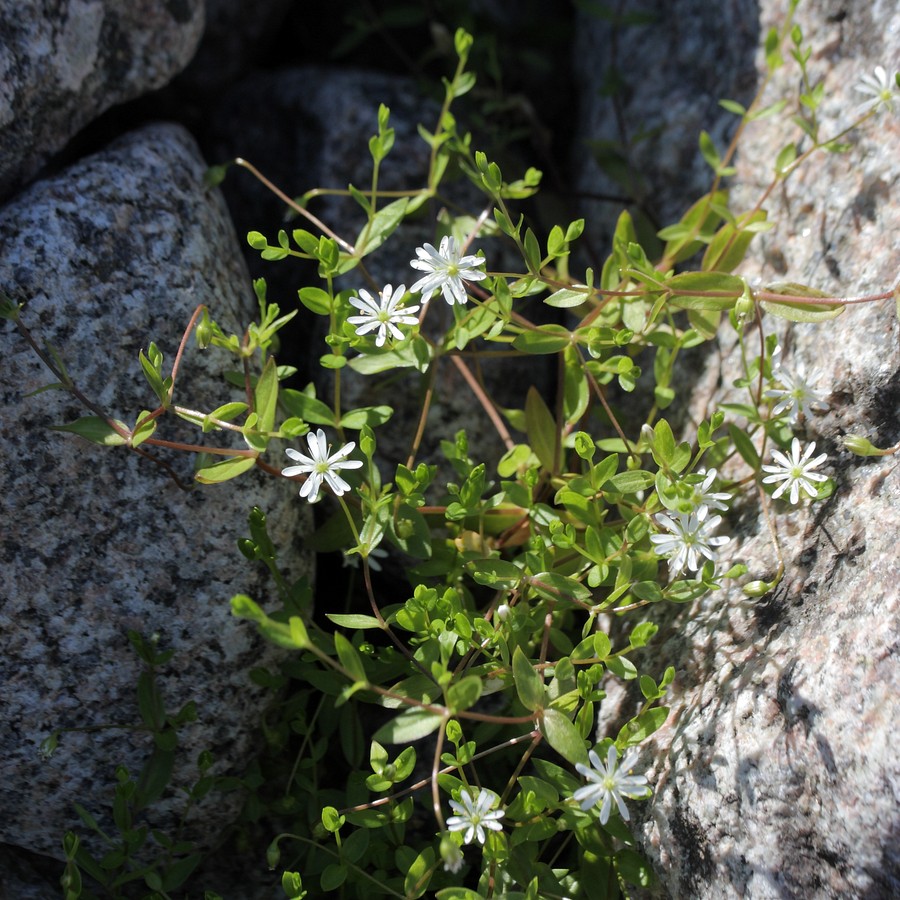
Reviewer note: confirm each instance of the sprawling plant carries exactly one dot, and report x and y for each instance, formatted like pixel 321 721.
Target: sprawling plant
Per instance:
pixel 465 699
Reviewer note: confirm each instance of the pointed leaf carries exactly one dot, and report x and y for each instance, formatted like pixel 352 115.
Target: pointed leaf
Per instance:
pixel 563 736
pixel 226 470
pixel 529 684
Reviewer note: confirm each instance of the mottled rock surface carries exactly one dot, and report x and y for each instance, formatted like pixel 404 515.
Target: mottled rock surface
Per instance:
pixel 649 82
pixel 776 773
pixel 63 63
pixel 115 252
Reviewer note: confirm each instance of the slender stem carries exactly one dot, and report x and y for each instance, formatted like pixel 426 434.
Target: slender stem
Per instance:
pixel 484 400
pixel 294 206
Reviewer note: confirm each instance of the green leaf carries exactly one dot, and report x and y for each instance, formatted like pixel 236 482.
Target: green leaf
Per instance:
pixel 630 482
pixel 380 227
pixel 266 396
pixel 565 298
pixel 225 470
pixel 546 339
pixel 464 694
pixel 410 531
pixel 95 430
pixel 307 408
pixel 728 248
pixel 799 312
pixel 495 573
pixel 541 429
pixel 316 300
pixel 563 736
pixel 744 446
pixel 641 727
pixel 704 290
pixel 350 658
pixel 529 684
pixel 353 620
pixel 410 725
pixel 373 416
pixel 333 876
pixel 418 876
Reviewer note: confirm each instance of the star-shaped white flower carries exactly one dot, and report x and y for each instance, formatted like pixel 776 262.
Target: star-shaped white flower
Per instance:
pixel 610 782
pixel 445 270
pixel 880 88
pixel 796 471
pixel 796 395
pixel 690 539
pixel 474 815
pixel 385 314
pixel 705 499
pixel 319 466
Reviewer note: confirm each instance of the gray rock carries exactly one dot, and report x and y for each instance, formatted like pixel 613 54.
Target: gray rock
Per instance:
pixel 671 63
pixel 231 40
pixel 64 63
pixel 117 251
pixel 776 775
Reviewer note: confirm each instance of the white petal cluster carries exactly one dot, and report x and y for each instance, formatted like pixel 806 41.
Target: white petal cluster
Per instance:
pixel 319 466
pixel 474 815
pixel 610 782
pixel 383 314
pixel 689 541
pixel 881 89
pixel 445 271
pixel 705 499
pixel 795 394
pixel 795 472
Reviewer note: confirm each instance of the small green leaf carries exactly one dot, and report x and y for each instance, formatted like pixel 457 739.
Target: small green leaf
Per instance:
pixel 410 725
pixel 380 227
pixel 744 446
pixel 373 416
pixel 353 620
pixel 350 658
pixel 529 684
pixel 464 694
pixel 541 428
pixel 563 736
pixel 546 339
pixel 225 470
pixel 799 312
pixel 266 396
pixel 630 482
pixel 95 430
pixel 495 573
pixel 565 298
pixel 704 290
pixel 640 728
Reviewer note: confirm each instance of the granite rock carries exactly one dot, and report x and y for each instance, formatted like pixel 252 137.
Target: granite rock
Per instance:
pixel 775 775
pixel 670 63
pixel 64 63
pixel 114 252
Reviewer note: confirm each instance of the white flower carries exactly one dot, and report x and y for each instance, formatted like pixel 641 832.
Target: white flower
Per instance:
pixel 445 270
pixel 320 466
pixel 452 856
pixel 704 499
pixel 795 471
pixel 796 395
pixel 689 540
pixel 474 816
pixel 610 782
pixel 352 559
pixel 881 88
pixel 385 314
